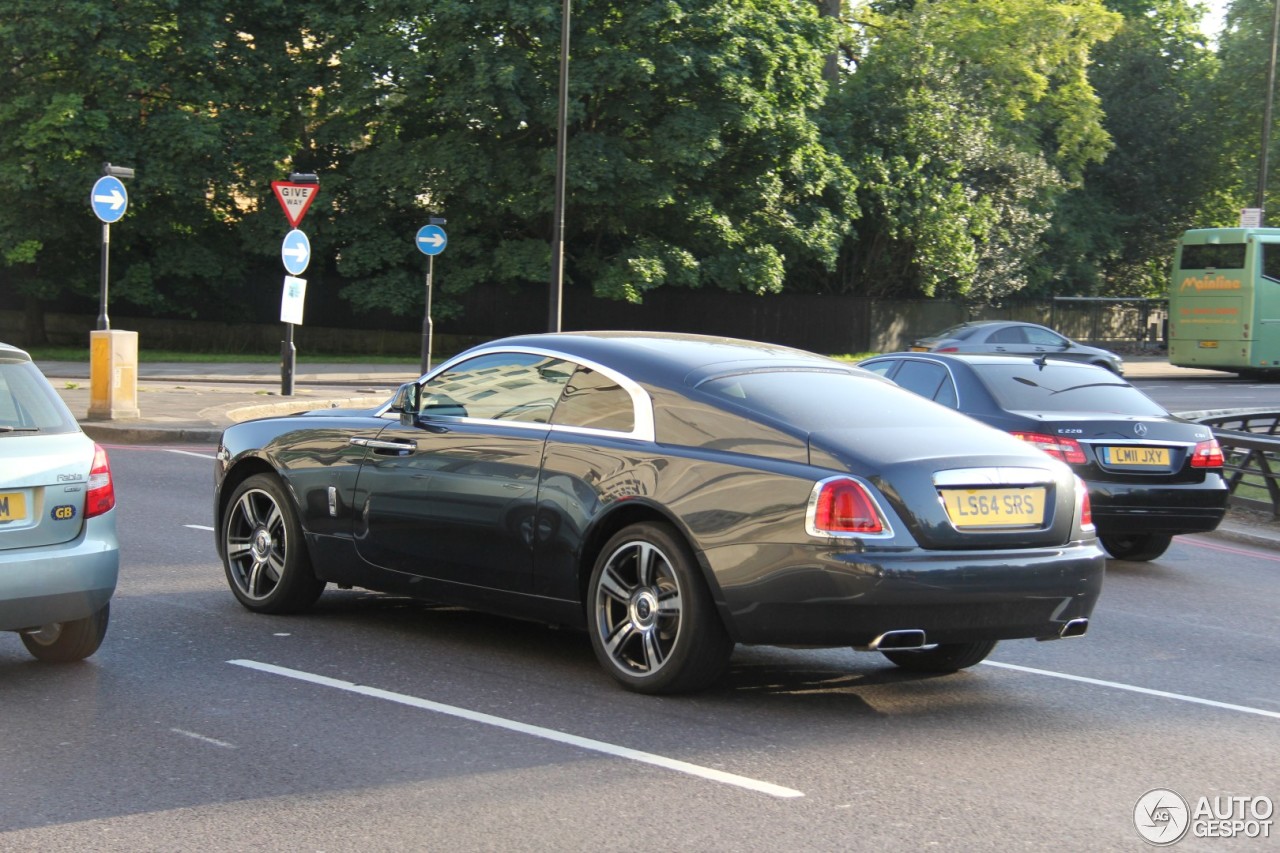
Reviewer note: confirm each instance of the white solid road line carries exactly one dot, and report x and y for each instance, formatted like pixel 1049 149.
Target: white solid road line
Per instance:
pixel 524 728
pixel 1146 691
pixel 189 453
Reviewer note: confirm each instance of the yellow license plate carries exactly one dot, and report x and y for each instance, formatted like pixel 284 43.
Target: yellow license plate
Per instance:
pixel 1012 507
pixel 13 506
pixel 1144 456
pixel 919 349
pixel 1208 344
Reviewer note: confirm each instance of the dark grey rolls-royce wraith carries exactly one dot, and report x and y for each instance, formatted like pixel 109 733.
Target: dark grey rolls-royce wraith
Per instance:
pixel 672 495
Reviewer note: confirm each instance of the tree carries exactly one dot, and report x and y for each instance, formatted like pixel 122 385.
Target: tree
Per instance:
pixel 1114 234
pixel 964 122
pixel 208 101
pixel 1240 92
pixel 694 157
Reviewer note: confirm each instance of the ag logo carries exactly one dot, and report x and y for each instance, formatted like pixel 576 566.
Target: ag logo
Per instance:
pixel 62 513
pixel 1162 817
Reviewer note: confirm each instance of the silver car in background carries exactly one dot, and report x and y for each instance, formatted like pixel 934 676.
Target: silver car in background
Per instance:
pixel 1014 338
pixel 59 555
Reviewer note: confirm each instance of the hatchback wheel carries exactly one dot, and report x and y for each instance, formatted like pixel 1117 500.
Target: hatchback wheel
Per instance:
pixel 1137 547
pixel 654 626
pixel 266 560
pixel 63 642
pixel 947 657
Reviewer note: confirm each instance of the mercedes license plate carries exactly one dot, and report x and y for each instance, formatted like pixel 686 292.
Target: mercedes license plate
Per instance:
pixel 1009 507
pixel 1140 456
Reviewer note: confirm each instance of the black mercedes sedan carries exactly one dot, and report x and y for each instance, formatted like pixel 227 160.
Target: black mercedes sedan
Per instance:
pixel 672 495
pixel 1151 475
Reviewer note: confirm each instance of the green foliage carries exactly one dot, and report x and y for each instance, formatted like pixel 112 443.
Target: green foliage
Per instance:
pixel 1238 104
pixel 693 155
pixel 959 148
pixel 965 122
pixel 1114 235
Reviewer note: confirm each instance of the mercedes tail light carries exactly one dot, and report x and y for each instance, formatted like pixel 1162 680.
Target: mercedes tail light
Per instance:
pixel 1066 449
pixel 842 506
pixel 1208 454
pixel 1084 509
pixel 102 490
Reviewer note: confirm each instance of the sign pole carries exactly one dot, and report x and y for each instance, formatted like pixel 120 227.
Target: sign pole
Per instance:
pixel 427 324
pixel 431 241
pixel 113 354
pixel 288 360
pixel 104 322
pixel 295 196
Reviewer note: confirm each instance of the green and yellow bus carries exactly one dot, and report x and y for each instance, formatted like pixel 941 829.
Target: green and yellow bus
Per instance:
pixel 1224 300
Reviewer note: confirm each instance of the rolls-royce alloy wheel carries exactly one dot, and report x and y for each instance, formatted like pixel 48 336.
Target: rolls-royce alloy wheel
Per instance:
pixel 265 558
pixel 653 624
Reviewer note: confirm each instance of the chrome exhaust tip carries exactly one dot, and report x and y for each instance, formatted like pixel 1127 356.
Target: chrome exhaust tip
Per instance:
pixel 1074 628
pixel 906 638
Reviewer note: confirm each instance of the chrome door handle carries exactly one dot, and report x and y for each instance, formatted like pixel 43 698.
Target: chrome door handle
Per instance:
pixel 379 444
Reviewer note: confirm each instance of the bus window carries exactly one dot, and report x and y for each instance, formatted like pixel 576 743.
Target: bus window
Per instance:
pixel 1271 261
pixel 1213 256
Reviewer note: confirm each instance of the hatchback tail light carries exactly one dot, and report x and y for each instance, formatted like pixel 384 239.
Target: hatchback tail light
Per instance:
pixel 102 490
pixel 1208 454
pixel 843 506
pixel 1066 449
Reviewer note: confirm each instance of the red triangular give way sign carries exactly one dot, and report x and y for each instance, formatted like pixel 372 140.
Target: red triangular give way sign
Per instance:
pixel 294 198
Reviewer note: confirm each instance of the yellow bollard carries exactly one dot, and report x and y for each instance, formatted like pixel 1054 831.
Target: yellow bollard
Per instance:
pixel 113 375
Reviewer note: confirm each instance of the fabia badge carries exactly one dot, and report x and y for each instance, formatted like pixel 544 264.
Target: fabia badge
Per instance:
pixel 1161 816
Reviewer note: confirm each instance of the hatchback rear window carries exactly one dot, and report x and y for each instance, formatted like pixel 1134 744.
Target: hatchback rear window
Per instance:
pixel 28 403
pixel 1063 388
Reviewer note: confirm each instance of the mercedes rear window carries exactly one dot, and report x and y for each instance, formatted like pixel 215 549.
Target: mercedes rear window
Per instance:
pixel 1063 388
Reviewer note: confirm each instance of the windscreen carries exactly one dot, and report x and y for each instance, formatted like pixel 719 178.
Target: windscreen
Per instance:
pixel 1059 387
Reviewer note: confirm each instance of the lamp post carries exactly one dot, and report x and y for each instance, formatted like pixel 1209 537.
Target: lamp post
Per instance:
pixel 557 228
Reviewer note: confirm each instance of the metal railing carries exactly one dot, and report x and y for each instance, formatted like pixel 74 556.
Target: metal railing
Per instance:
pixel 1251 448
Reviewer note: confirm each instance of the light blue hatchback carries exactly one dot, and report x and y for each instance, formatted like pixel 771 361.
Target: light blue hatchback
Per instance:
pixel 59 555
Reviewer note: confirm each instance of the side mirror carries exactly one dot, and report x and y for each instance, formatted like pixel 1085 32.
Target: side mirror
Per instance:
pixel 408 402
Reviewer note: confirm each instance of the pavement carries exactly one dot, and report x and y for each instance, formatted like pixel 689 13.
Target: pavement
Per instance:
pixel 192 403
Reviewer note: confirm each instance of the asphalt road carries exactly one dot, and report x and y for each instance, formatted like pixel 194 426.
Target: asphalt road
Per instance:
pixel 1196 394
pixel 378 723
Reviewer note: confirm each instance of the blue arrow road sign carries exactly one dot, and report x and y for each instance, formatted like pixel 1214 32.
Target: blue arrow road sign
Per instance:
pixel 109 199
pixel 431 240
pixel 295 252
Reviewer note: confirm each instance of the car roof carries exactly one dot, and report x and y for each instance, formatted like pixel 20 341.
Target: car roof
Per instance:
pixel 981 358
pixel 671 358
pixel 12 353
